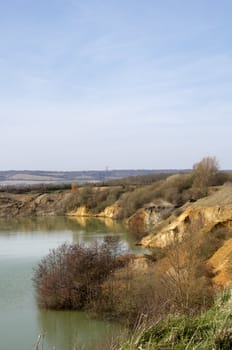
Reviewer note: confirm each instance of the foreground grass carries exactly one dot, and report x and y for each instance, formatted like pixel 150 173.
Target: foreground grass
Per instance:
pixel 211 330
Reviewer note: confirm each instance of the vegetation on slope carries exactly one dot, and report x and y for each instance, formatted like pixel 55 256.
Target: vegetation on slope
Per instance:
pixel 133 193
pixel 210 330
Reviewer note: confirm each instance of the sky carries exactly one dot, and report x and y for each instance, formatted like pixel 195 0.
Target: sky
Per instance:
pixel 117 84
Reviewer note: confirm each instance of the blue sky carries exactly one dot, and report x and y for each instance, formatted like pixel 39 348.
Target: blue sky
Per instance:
pixel 86 84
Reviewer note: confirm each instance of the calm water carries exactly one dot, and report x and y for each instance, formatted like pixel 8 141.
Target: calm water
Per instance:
pixel 22 244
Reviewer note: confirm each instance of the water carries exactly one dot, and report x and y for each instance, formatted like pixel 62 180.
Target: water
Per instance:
pixel 22 244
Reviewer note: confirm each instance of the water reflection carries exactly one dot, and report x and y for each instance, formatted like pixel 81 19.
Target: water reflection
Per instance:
pixel 73 229
pixel 60 223
pixel 65 329
pixel 34 224
pixel 98 224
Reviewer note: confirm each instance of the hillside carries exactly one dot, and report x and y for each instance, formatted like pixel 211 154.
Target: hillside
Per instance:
pixel 207 225
pixel 127 195
pixel 25 177
pixel 204 215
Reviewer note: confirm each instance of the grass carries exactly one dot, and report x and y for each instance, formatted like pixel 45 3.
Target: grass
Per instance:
pixel 211 330
pixel 222 196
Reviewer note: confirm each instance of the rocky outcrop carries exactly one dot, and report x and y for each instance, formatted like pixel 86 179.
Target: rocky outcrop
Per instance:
pixel 144 220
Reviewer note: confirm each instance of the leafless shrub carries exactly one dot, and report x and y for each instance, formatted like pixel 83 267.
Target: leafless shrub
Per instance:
pixel 70 276
pixel 183 287
pixel 188 278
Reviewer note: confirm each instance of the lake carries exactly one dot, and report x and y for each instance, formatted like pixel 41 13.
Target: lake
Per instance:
pixel 23 242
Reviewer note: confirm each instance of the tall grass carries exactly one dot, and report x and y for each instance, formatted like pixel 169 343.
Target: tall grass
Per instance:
pixel 211 330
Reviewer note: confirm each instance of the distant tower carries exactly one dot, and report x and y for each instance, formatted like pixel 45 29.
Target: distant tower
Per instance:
pixel 106 172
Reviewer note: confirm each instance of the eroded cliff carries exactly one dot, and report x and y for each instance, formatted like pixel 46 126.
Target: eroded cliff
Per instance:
pixel 208 220
pixel 200 217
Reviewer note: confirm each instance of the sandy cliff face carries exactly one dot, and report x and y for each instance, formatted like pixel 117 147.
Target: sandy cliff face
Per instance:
pixel 80 212
pixel 193 219
pixel 202 219
pixel 201 216
pixel 221 262
pixel 111 212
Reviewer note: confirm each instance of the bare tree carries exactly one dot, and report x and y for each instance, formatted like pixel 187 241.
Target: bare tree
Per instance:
pixel 205 173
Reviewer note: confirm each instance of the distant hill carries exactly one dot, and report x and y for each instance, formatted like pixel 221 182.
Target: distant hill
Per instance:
pixel 25 177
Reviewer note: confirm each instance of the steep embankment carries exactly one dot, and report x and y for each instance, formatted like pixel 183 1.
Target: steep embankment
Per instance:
pixel 202 216
pixel 208 217
pixel 50 204
pixel 149 216
pixel 221 262
pixel 193 219
pixel 30 204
